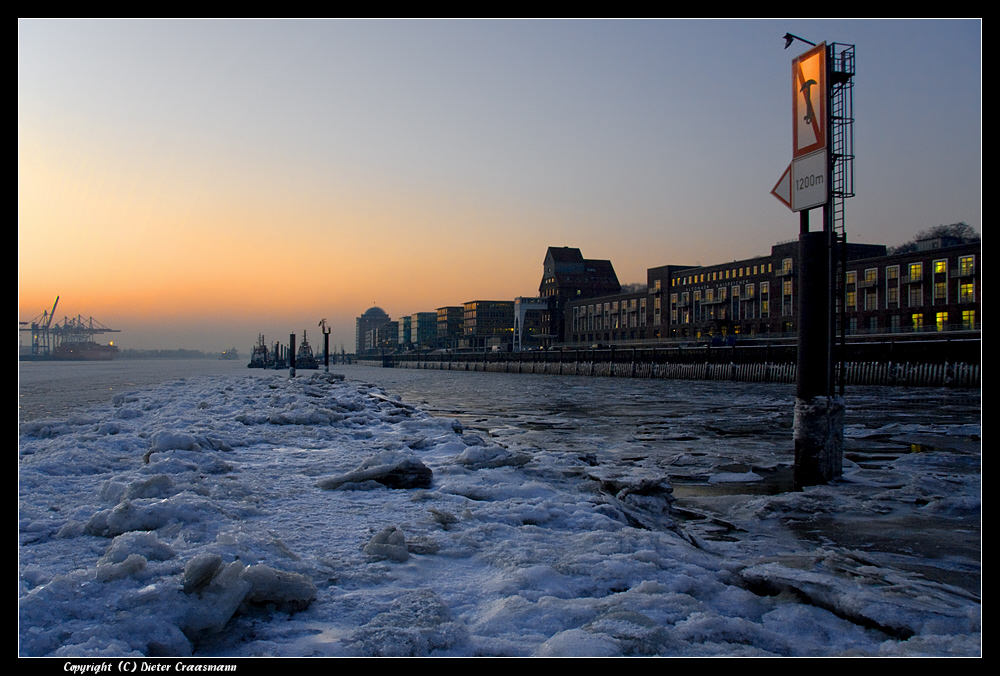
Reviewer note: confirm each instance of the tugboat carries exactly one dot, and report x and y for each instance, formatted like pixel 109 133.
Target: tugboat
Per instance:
pixel 258 356
pixel 304 358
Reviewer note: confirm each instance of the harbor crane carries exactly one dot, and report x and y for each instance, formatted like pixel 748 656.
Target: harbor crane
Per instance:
pixel 71 338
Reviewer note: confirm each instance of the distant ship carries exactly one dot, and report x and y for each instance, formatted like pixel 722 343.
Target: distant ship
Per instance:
pixel 84 351
pixel 258 356
pixel 276 357
pixel 304 358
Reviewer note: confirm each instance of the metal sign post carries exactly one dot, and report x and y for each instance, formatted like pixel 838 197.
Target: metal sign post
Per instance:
pixel 806 184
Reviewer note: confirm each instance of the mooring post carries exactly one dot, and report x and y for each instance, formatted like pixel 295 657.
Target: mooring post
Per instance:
pixel 819 415
pixel 326 344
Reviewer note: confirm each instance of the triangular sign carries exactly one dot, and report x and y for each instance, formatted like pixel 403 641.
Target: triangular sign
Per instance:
pixel 783 188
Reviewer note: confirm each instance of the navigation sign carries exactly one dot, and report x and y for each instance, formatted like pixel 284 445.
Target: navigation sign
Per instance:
pixel 804 185
pixel 810 184
pixel 809 101
pixel 783 188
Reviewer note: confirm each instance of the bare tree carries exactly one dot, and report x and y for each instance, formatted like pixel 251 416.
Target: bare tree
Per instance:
pixel 634 287
pixel 963 232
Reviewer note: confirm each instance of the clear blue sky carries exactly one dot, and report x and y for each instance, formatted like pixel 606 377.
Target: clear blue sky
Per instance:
pixel 197 182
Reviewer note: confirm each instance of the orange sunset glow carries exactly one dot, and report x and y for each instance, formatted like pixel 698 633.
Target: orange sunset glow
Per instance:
pixel 195 183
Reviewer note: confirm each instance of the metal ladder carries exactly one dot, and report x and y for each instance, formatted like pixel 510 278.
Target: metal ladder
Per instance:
pixel 842 68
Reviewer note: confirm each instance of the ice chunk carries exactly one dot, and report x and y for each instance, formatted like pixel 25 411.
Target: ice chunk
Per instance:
pixel 288 590
pixel 387 469
pixel 389 544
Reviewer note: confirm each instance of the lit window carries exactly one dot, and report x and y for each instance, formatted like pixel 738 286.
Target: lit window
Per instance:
pixel 966 293
pixel 968 319
pixel 941 321
pixel 940 267
pixel 966 265
pixel 916 272
pixel 917 321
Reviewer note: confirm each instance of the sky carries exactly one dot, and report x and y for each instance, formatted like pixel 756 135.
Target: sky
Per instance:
pixel 198 183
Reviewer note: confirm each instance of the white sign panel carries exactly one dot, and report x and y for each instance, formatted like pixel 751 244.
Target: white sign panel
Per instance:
pixel 810 181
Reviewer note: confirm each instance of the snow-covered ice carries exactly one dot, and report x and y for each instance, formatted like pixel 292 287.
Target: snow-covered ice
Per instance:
pixel 250 515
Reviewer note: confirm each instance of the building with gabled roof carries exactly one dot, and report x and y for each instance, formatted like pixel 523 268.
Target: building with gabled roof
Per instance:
pixel 568 276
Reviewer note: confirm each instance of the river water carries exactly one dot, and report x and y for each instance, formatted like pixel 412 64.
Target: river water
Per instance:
pixel 697 429
pixel 718 443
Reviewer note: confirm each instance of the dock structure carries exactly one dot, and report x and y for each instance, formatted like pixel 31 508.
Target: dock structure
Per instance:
pixel 71 339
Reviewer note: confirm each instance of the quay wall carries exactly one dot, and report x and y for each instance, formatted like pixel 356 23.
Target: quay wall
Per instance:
pixel 911 364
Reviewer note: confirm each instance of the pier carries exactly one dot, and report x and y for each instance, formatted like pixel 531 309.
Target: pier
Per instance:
pixel 914 363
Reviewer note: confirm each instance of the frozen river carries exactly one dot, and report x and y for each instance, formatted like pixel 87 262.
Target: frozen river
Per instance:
pixel 895 544
pixel 718 442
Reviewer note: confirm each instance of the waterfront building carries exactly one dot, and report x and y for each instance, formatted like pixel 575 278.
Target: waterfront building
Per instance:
pixel 449 325
pixel 373 318
pixel 935 288
pixel 488 324
pixel 528 328
pixel 404 333
pixel 568 276
pixel 382 338
pixel 423 330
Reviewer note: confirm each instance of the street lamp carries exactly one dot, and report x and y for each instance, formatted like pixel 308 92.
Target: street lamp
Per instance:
pixel 789 38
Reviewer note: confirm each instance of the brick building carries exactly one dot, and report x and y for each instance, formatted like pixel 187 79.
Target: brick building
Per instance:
pixel 567 277
pixel 935 288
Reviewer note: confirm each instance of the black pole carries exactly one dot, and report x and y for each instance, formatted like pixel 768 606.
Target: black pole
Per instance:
pixel 813 348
